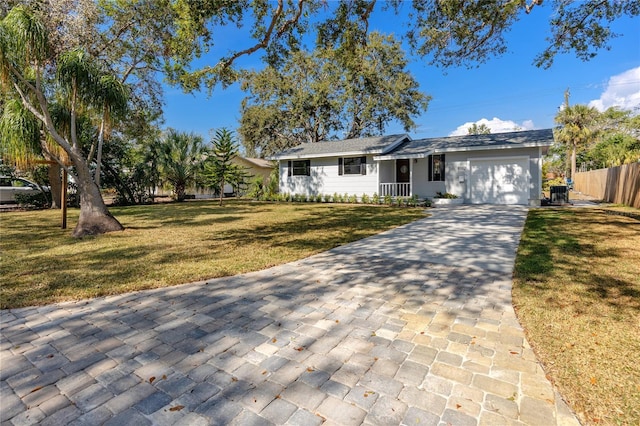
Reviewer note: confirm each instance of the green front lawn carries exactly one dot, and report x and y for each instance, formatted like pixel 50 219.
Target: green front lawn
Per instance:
pixel 577 294
pixel 171 244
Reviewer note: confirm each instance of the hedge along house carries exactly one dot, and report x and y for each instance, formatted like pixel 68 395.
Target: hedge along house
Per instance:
pixel 501 168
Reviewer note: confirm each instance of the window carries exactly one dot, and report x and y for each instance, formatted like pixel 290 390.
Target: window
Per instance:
pixel 299 168
pixel 436 167
pixel 352 166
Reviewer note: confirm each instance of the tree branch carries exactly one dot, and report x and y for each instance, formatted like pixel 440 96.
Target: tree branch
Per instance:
pixel 262 44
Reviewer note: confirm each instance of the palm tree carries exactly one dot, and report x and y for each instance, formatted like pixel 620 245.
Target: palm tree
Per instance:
pixel 577 128
pixel 25 64
pixel 181 160
pixel 112 94
pixel 23 145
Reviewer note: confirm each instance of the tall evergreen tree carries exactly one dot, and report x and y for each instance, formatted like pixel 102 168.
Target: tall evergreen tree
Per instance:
pixel 220 168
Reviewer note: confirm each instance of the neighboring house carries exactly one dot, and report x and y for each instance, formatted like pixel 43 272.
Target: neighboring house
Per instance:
pixel 501 168
pixel 253 167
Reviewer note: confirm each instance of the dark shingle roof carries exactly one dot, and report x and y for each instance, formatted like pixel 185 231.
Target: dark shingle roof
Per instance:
pixel 374 145
pixel 523 139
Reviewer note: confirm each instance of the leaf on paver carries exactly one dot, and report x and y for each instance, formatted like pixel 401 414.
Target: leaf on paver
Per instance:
pixel 264 372
pixel 300 349
pixel 310 370
pixel 375 359
pixel 176 408
pixel 234 379
pixel 274 340
pixel 513 352
pixel 458 406
pixel 367 393
pixel 36 389
pixel 278 396
pixel 151 379
pixel 422 332
pixel 593 380
pixel 373 333
pixel 201 350
pixel 337 321
pixel 50 356
pixel 164 377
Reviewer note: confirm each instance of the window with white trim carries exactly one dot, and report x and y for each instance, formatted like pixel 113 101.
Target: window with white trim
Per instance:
pixel 352 166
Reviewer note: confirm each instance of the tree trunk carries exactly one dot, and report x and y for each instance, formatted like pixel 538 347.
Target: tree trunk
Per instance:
pixel 573 162
pixel 94 216
pixel 221 190
pixel 180 191
pixel 99 155
pixel 55 184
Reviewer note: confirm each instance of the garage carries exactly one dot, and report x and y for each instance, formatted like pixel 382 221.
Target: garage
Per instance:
pixel 500 181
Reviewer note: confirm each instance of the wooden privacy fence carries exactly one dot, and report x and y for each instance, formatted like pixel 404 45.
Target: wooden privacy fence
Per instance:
pixel 620 185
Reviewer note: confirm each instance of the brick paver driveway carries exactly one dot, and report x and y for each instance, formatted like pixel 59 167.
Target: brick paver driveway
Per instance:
pixel 413 326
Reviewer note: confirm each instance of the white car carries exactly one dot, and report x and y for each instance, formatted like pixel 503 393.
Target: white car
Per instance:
pixel 9 187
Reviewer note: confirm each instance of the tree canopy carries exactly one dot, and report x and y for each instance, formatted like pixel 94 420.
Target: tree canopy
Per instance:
pixel 442 32
pixel 329 94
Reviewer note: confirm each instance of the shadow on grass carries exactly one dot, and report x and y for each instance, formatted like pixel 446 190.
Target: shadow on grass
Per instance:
pixel 560 245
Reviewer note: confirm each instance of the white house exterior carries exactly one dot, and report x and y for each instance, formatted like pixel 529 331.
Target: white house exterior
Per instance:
pixel 502 168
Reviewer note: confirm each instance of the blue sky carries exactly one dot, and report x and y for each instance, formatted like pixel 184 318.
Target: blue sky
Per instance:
pixel 504 92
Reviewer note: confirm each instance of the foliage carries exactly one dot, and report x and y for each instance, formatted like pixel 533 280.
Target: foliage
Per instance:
pixel 181 158
pixel 33 201
pixel 599 139
pixel 39 74
pixel 219 167
pixel 257 188
pixel 614 150
pixel 455 32
pixel 446 33
pixel 447 195
pixel 577 128
pixel 482 129
pixel 548 183
pixel 316 96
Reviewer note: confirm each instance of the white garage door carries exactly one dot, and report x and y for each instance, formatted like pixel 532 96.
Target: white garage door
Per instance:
pixel 500 181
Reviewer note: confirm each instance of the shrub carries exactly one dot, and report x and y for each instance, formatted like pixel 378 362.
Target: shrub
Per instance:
pixel 257 188
pixel 32 201
pixel 337 198
pixel 327 198
pixel 413 200
pixel 353 199
pixel 319 198
pixel 345 198
pixel 388 200
pixel 376 198
pixel 365 199
pixel 446 195
pixel 547 184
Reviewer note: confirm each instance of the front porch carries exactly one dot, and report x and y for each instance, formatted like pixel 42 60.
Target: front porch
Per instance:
pixel 396 189
pixel 396 178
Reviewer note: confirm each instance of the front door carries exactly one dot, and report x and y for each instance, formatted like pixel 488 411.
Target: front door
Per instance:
pixel 402 171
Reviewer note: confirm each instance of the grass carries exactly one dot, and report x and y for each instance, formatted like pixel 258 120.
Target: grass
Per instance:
pixel 170 244
pixel 577 294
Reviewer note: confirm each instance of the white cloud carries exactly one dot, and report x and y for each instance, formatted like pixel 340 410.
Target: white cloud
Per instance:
pixel 495 124
pixel 623 91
